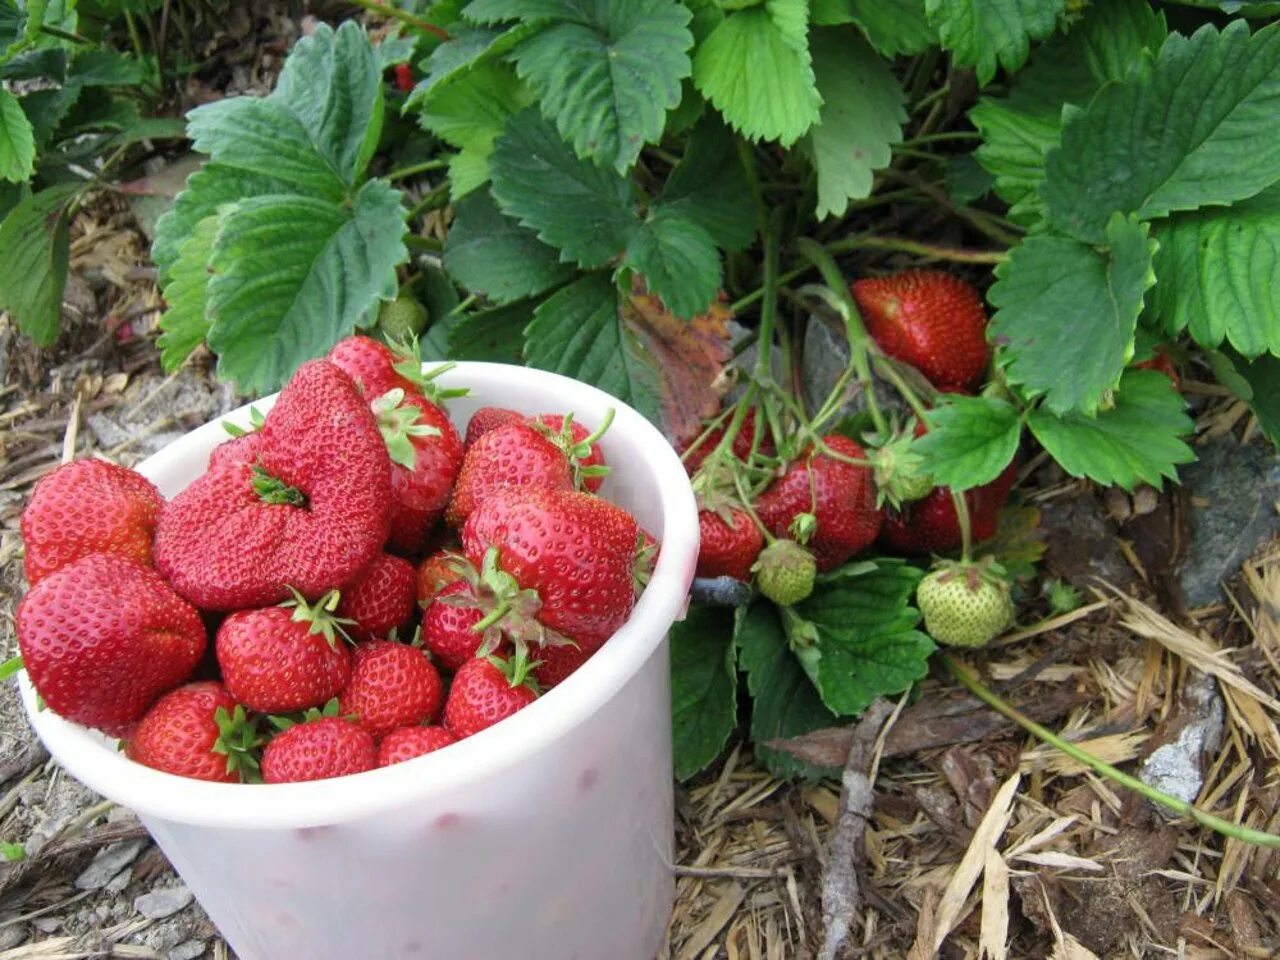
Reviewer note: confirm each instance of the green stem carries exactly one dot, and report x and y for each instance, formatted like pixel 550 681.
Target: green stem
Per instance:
pixel 887 370
pixel 783 279
pixel 929 99
pixel 64 34
pixel 426 244
pixel 925 66
pixel 904 151
pixel 944 137
pixel 432 200
pixel 404 17
pixel 962 516
pixel 413 169
pixel 134 37
pixel 932 251
pixel 1225 827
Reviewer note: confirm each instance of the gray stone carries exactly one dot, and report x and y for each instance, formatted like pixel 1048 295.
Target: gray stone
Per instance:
pixel 12 936
pixel 1177 768
pixel 162 902
pixel 108 864
pixel 187 950
pixel 1242 485
pixel 826 357
pixel 119 882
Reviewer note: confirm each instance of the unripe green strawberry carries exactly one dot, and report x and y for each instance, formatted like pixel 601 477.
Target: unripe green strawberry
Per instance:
pixel 402 319
pixel 785 572
pixel 964 604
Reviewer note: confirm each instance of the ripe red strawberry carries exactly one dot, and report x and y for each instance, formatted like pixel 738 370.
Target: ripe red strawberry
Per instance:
pixel 555 664
pixel 310 513
pixel 381 600
pixel 392 685
pixel 839 495
pixel 103 637
pixel 447 627
pixel 584 456
pixel 281 659
pixel 694 454
pixel 426 455
pixel 515 455
pixel 406 743
pixel 930 319
pixel 196 731
pixel 489 418
pixel 242 449
pixel 484 691
pixel 932 526
pixel 88 506
pixel 575 550
pixel 728 548
pixel 435 573
pixel 1164 363
pixel 317 750
pixel 372 365
pixel 404 77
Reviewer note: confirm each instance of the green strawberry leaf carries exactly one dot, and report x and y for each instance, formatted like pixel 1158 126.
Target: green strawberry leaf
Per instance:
pixel 105 68
pixel 1257 382
pixel 579 331
pixel 1160 141
pixel 468 111
pixel 704 687
pixel 893 27
pixel 709 187
pixel 468 46
pixel 185 324
pixel 867 645
pixel 33 271
pixel 755 69
pixel 580 209
pixel 495 335
pixel 494 256
pixel 1219 273
pixel 970 441
pixel 678 260
pixel 17 140
pixel 1018 129
pixel 861 118
pixel 329 267
pixel 1137 440
pixel 1066 313
pixel 436 292
pixel 606 73
pixel 989 34
pixel 784 702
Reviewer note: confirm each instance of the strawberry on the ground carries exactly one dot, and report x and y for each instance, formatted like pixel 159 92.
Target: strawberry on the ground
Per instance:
pixel 512 456
pixel 405 743
pixel 965 604
pixel 730 543
pixel 785 572
pixel 384 598
pixel 281 659
pixel 694 453
pixel 574 550
pixel 392 685
pixel 930 319
pixel 840 496
pixel 88 506
pixel 447 625
pixel 310 512
pixel 317 750
pixel 484 691
pixel 103 637
pixel 435 573
pixel 931 525
pixel 490 418
pixel 198 731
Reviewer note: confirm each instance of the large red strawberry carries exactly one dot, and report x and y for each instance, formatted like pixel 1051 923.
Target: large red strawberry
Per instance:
pixel 575 551
pixel 317 750
pixel 484 691
pixel 405 743
pixel 426 455
pixel 577 441
pixel 931 320
pixel 103 637
pixel 730 543
pixel 281 659
pixel 392 685
pixel 84 507
pixel 197 731
pixel 931 525
pixel 310 512
pixel 374 366
pixel 840 496
pixel 381 600
pixel 515 455
pixel 489 418
pixel 554 664
pixel 447 625
pixel 694 453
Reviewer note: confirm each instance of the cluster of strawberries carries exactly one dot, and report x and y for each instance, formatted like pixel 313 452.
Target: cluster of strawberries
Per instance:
pixel 836 496
pixel 376 585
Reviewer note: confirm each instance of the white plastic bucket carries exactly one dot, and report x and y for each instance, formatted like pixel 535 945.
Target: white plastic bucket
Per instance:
pixel 547 837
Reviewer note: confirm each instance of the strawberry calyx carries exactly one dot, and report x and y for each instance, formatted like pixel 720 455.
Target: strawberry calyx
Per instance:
pixel 256 419
pixel 274 491
pixel 398 424
pixel 410 367
pixel 577 451
pixel 331 708
pixel 899 477
pixel 238 741
pixel 644 562
pixel 319 616
pixel 802 527
pixel 517 670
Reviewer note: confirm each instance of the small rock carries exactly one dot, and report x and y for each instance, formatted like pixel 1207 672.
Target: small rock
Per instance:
pixel 162 902
pixel 119 882
pixel 1241 485
pixel 108 864
pixel 187 950
pixel 47 924
pixel 826 357
pixel 1177 768
pixel 12 936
